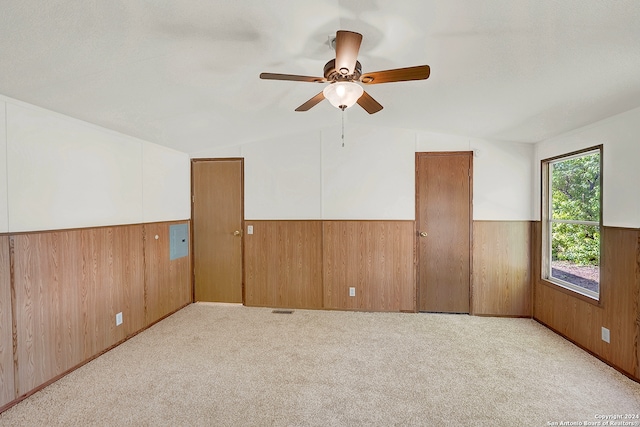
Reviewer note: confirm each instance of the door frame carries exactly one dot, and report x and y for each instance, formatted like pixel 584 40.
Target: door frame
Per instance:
pixel 192 228
pixel 419 154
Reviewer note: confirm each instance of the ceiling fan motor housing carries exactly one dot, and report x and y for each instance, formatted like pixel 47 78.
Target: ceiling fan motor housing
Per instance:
pixel 333 75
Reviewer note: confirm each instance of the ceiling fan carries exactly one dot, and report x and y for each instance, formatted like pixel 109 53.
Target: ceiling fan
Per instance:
pixel 344 71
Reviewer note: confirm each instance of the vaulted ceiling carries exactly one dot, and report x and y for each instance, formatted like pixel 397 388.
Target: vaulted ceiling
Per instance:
pixel 184 73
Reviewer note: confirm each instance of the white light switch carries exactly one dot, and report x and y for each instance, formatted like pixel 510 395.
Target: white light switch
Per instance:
pixel 249 229
pixel 119 319
pixel 352 292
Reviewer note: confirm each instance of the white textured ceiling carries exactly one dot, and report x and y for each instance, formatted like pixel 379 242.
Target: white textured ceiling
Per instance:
pixel 184 73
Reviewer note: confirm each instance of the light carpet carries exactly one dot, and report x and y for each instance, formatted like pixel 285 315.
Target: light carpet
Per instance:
pixel 228 365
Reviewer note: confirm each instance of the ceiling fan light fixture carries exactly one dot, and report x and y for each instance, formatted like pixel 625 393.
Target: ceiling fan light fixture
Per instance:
pixel 343 95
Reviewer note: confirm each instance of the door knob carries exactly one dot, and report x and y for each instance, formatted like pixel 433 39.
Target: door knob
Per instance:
pixel 423 234
pixel 236 233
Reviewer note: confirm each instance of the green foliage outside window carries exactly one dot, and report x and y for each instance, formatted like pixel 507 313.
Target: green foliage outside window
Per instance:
pixel 576 196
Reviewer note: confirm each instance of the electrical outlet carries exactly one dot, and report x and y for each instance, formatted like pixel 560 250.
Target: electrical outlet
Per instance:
pixel 606 335
pixel 119 319
pixel 352 292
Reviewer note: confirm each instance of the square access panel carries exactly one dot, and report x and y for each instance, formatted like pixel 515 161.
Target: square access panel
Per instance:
pixel 178 241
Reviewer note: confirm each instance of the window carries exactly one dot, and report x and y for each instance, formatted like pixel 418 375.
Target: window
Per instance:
pixel 572 221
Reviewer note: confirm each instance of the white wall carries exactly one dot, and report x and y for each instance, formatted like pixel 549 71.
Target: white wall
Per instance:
pixel 65 173
pixel 311 176
pixel 620 137
pixel 219 152
pixel 4 207
pixel 283 177
pixel 166 184
pixel 371 177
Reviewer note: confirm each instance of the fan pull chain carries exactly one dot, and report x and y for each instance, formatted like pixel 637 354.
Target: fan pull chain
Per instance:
pixel 343 127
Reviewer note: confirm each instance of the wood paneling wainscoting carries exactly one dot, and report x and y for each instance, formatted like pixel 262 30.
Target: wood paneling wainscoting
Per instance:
pixel 65 289
pixel 374 257
pixel 283 264
pixel 167 283
pixel 69 285
pixel 580 320
pixel 501 274
pixel 312 264
pixel 7 384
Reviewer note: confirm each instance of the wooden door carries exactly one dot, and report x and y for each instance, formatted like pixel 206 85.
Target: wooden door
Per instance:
pixel 217 212
pixel 443 222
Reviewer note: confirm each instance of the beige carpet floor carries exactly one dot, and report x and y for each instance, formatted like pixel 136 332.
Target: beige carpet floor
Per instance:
pixel 225 365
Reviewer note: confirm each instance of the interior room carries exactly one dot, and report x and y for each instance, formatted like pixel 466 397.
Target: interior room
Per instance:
pixel 161 157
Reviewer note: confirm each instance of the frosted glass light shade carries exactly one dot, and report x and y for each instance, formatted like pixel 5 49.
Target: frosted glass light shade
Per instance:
pixel 343 94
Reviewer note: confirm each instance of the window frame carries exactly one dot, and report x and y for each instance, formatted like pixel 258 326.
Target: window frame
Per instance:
pixel 547 221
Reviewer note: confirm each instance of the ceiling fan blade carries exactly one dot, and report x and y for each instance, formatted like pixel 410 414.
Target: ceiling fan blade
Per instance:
pixel 292 77
pixel 419 72
pixel 347 48
pixel 311 103
pixel 369 104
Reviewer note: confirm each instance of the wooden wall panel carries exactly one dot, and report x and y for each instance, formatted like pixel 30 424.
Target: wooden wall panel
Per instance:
pixel 7 385
pixel 375 257
pixel 501 280
pixel 51 334
pixel 113 276
pixel 637 303
pixel 620 296
pixel 283 264
pixel 66 288
pixel 167 283
pixel 129 256
pixel 69 285
pixel 581 321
